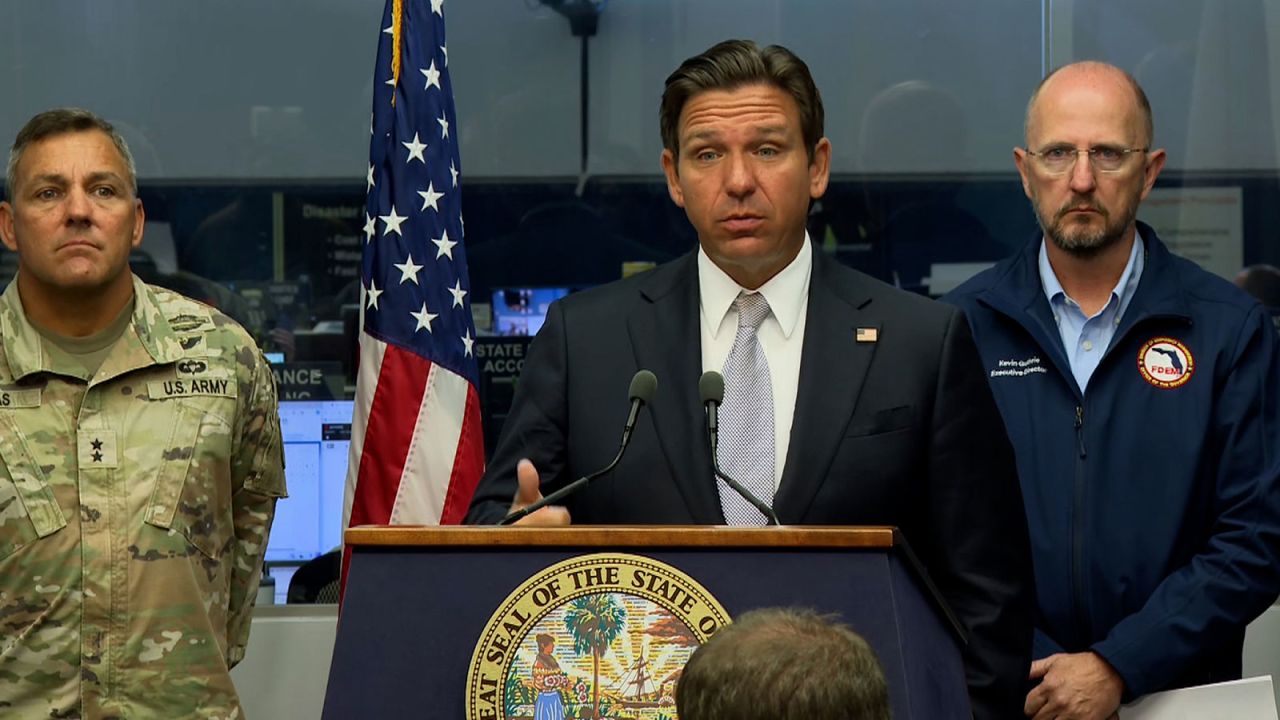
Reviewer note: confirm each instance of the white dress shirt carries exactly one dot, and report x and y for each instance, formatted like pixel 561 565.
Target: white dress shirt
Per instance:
pixel 781 335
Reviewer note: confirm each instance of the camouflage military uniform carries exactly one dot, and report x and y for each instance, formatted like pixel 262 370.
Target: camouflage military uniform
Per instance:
pixel 134 512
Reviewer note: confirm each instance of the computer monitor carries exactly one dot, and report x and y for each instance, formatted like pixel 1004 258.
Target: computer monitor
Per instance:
pixel 317 437
pixel 521 311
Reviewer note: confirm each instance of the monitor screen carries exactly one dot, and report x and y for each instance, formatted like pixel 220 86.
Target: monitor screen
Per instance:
pixel 317 436
pixel 521 311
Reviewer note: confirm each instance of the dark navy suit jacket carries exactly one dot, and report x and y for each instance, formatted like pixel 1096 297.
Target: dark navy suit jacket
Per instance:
pixel 900 431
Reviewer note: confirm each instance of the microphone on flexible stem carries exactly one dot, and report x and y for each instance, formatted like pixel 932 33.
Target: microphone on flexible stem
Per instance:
pixel 711 389
pixel 643 385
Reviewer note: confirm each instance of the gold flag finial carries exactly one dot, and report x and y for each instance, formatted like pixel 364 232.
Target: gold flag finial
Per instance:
pixel 397 15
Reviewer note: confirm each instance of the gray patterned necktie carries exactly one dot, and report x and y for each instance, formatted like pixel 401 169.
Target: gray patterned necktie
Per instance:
pixel 746 451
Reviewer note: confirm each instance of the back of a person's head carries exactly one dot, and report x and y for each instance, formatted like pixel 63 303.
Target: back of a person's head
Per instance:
pixel 1263 283
pixel 783 664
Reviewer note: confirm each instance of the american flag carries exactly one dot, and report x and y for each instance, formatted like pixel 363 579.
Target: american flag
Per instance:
pixel 416 445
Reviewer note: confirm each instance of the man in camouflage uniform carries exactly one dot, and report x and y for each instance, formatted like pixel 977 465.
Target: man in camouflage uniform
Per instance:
pixel 140 456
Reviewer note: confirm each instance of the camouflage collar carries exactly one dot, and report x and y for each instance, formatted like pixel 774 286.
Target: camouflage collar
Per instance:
pixel 152 342
pixel 152 325
pixel 23 349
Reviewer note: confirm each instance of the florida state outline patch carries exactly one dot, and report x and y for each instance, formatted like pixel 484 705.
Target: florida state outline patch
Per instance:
pixel 1166 363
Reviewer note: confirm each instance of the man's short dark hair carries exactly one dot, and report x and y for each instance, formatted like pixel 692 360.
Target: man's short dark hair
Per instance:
pixel 783 664
pixel 60 121
pixel 730 65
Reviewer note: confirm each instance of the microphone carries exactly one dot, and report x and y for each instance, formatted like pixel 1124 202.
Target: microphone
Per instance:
pixel 643 385
pixel 711 389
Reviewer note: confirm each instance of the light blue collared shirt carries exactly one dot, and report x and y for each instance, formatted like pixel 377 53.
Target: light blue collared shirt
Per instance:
pixel 1086 339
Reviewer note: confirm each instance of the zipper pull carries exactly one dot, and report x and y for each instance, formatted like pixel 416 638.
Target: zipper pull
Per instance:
pixel 1080 430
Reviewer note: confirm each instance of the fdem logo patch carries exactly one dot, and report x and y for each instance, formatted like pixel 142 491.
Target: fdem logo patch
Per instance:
pixel 1165 363
pixel 603 635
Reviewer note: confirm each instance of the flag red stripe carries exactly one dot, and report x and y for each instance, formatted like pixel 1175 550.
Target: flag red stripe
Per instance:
pixel 393 419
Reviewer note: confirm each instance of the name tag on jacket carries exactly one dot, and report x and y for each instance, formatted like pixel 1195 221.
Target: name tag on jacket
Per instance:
pixel 190 387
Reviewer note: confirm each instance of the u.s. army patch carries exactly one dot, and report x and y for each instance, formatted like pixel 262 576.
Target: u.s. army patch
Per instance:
pixel 96 448
pixel 191 386
pixel 19 397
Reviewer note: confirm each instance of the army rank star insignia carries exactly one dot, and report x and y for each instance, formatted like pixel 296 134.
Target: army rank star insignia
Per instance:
pixel 97 449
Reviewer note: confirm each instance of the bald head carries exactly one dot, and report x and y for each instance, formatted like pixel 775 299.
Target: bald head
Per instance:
pixel 1091 73
pixel 1086 209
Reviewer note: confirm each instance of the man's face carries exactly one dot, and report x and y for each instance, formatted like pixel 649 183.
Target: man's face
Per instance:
pixel 1085 210
pixel 73 218
pixel 744 178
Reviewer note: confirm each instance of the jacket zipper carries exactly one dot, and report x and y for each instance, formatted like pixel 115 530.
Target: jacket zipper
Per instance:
pixel 1080 431
pixel 1077 525
pixel 1020 316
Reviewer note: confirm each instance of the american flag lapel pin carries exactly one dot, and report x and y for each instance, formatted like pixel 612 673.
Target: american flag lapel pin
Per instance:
pixel 867 334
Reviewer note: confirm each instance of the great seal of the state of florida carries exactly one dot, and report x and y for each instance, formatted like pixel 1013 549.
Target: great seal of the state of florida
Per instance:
pixel 601 635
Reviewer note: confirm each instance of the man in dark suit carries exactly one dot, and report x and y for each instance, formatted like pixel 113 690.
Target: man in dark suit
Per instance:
pixel 847 402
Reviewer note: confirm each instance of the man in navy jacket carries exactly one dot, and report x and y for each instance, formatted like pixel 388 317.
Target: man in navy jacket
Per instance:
pixel 1142 396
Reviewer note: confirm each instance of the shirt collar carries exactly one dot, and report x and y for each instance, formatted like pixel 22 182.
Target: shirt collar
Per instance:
pixel 1125 286
pixel 785 292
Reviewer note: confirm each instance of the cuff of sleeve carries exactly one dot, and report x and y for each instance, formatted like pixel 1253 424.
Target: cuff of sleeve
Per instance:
pixel 235 654
pixel 1128 674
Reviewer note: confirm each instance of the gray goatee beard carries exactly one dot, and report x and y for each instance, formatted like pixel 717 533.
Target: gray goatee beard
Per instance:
pixel 1085 243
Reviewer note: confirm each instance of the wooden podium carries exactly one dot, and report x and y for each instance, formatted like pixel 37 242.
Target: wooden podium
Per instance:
pixel 419 601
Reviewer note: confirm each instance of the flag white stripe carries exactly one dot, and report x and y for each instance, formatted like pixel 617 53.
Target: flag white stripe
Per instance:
pixel 372 351
pixel 429 462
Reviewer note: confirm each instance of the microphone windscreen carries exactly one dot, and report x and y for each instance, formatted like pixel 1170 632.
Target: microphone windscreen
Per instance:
pixel 643 385
pixel 711 387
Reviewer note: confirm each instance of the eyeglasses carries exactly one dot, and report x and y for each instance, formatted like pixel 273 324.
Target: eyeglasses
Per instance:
pixel 1060 159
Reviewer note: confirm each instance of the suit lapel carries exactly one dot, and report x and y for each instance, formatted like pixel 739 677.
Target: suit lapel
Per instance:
pixel 666 338
pixel 833 366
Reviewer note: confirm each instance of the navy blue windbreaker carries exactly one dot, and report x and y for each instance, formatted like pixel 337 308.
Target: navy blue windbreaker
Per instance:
pixel 1153 499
